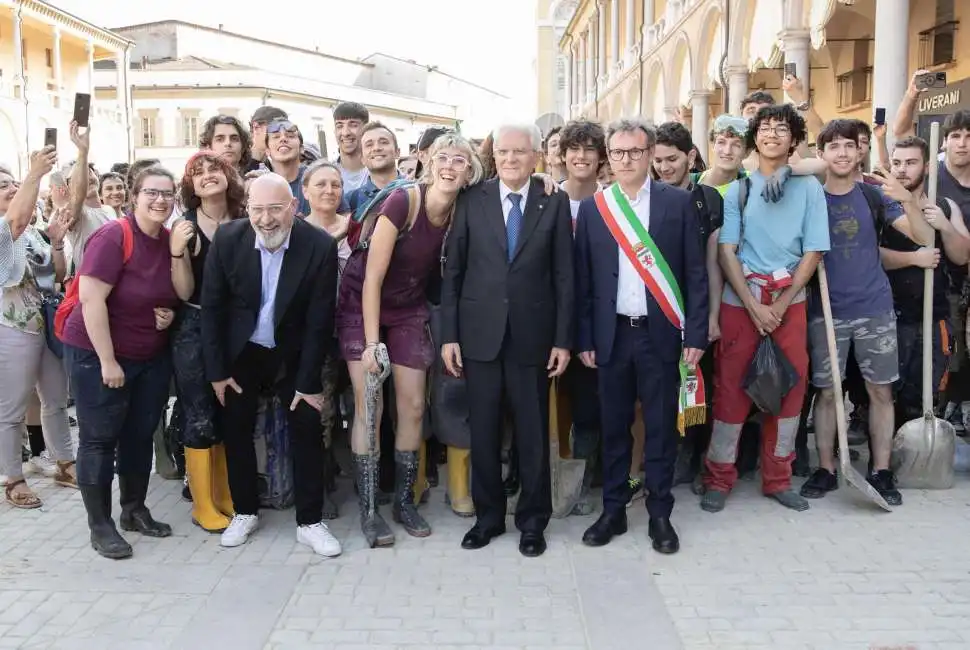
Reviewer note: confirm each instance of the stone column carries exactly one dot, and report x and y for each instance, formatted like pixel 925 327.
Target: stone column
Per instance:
pixel 700 119
pixel 18 45
pixel 121 67
pixel 568 90
pixel 737 86
pixel 601 47
pixel 891 71
pixel 630 41
pixel 797 45
pixel 649 11
pixel 590 67
pixel 89 50
pixel 614 39
pixel 58 73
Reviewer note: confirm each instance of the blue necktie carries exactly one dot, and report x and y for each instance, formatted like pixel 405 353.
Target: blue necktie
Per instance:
pixel 514 224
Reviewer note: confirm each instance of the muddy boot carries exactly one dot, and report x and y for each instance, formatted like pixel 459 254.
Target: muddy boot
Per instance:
pixel 105 538
pixel 459 477
pixel 164 461
pixel 375 529
pixel 683 466
pixel 135 516
pixel 405 511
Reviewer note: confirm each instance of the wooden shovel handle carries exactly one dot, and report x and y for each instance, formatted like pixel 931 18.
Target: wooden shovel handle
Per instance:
pixel 931 183
pixel 840 423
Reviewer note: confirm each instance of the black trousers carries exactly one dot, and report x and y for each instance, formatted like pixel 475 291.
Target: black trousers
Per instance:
pixel 636 371
pixel 256 370
pixel 525 390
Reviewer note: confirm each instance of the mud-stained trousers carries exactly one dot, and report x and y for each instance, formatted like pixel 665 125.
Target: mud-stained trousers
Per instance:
pixel 736 349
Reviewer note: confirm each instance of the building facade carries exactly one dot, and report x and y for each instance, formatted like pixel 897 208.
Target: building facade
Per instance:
pixel 694 59
pixel 46 56
pixel 181 74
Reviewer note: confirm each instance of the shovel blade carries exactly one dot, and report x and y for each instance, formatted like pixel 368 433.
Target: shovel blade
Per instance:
pixel 923 452
pixel 567 484
pixel 856 480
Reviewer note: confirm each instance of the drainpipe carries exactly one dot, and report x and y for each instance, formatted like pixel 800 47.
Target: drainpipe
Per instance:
pixel 23 78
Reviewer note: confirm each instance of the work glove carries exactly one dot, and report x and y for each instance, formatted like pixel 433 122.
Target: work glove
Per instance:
pixel 775 186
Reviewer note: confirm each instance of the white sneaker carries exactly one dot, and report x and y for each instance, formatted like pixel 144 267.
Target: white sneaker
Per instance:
pixel 239 530
pixel 319 538
pixel 44 464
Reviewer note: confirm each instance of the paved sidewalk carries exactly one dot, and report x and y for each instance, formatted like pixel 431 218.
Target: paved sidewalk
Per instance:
pixel 754 577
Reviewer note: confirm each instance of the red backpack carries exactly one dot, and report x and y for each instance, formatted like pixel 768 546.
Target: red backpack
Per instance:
pixel 71 295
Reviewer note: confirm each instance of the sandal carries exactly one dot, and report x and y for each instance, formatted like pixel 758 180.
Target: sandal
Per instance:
pixel 66 475
pixel 25 499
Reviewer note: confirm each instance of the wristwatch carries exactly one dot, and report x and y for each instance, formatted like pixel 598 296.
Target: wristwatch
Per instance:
pixel 804 106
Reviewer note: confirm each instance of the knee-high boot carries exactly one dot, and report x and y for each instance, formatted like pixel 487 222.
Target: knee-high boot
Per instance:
pixel 134 513
pixel 105 538
pixel 375 529
pixel 200 464
pixel 459 476
pixel 221 496
pixel 405 511
pixel 164 460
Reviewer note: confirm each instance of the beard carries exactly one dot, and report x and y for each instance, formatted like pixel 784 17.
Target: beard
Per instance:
pixel 916 184
pixel 273 241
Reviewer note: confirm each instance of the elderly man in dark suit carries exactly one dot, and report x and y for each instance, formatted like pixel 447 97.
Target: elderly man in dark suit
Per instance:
pixel 642 310
pixel 507 325
pixel 268 295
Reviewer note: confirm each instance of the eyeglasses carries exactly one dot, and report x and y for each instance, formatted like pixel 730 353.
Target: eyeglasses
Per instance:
pixel 458 163
pixel 154 195
pixel 635 154
pixel 275 210
pixel 780 130
pixel 281 125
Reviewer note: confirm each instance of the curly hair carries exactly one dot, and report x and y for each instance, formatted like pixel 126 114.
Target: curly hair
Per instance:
pixel 583 133
pixel 235 191
pixel 209 132
pixel 785 113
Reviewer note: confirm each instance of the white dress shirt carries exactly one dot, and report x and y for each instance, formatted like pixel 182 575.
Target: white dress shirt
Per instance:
pixel 504 191
pixel 271 263
pixel 631 292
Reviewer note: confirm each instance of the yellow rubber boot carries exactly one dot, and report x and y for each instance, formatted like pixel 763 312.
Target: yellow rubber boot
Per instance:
pixel 198 466
pixel 421 486
pixel 220 481
pixel 459 470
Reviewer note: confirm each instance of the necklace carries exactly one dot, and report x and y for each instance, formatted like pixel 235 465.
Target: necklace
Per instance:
pixel 210 218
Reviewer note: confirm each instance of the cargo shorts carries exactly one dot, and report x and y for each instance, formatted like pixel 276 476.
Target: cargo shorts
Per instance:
pixel 874 343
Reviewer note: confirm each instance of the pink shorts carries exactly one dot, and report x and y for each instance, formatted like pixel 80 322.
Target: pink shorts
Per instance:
pixel 408 343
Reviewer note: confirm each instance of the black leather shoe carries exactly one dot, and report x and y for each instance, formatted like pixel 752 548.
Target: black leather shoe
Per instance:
pixel 532 544
pixel 479 537
pixel 664 536
pixel 606 527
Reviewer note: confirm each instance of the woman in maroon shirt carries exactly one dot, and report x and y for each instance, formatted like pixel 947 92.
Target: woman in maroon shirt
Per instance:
pixel 116 349
pixel 383 299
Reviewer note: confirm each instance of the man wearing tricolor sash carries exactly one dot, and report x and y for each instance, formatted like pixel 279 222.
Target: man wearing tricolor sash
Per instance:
pixel 641 294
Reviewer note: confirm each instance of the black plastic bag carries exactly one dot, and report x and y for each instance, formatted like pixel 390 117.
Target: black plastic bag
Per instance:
pixel 770 377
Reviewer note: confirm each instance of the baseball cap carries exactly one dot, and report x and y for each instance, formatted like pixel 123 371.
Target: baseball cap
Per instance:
pixel 268 114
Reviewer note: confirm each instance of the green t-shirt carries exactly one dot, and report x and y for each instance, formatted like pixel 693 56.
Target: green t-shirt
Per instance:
pixel 698 178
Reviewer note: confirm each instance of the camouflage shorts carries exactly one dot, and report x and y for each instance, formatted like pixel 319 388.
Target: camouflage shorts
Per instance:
pixel 874 346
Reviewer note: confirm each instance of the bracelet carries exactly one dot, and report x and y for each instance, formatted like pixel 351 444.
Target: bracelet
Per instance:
pixel 178 257
pixel 368 346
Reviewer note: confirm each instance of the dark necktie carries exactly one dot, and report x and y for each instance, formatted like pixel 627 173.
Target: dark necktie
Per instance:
pixel 514 224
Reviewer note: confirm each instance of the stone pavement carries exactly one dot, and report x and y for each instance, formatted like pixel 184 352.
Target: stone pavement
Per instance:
pixel 842 575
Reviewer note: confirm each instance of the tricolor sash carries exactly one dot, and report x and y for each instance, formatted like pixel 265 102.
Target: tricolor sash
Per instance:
pixel 639 247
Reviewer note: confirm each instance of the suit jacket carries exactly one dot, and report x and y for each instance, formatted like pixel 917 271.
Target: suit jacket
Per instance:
pixel 675 228
pixel 483 294
pixel 305 301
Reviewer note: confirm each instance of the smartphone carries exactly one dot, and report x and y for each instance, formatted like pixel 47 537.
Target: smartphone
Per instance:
pixel 931 80
pixel 790 70
pixel 50 138
pixel 880 117
pixel 82 108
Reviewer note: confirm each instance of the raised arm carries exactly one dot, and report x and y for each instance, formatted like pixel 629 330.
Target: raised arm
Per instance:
pixel 22 205
pixel 79 176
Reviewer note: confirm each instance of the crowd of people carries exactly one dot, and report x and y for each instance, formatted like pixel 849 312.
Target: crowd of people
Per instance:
pixel 628 274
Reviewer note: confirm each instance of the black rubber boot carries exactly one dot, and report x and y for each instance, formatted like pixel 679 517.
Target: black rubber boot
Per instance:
pixel 105 538
pixel 405 512
pixel 375 529
pixel 135 516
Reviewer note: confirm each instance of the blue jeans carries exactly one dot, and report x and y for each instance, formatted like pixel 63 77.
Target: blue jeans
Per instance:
pixel 122 419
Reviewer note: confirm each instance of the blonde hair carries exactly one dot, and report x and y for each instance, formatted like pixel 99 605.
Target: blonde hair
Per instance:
pixel 453 141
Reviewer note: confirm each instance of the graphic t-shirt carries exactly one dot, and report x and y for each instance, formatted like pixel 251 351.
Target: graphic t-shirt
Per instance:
pixel 858 285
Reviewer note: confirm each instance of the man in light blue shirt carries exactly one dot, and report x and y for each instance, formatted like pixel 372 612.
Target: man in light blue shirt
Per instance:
pixel 769 250
pixel 271 262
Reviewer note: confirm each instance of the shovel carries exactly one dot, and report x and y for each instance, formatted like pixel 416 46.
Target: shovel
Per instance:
pixel 566 473
pixel 924 448
pixel 846 471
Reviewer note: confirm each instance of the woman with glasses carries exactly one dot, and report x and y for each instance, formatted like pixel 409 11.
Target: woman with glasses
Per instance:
pixel 30 263
pixel 211 194
pixel 383 300
pixel 116 349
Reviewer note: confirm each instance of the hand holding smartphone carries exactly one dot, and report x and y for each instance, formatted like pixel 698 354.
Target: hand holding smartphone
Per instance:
pixel 50 138
pixel 82 108
pixel 880 117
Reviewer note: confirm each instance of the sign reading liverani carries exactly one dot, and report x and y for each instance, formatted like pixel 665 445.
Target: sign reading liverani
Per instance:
pixel 934 105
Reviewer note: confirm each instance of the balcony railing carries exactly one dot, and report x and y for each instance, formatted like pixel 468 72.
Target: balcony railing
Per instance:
pixel 855 86
pixel 937 45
